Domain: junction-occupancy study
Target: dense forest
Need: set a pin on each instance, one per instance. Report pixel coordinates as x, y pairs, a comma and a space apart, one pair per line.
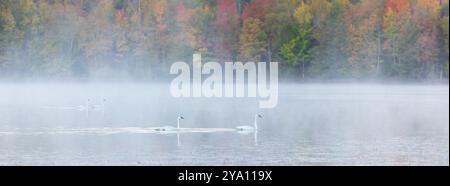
140, 39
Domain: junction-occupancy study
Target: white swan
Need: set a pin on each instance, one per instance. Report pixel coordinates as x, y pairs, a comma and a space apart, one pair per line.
170, 128
247, 128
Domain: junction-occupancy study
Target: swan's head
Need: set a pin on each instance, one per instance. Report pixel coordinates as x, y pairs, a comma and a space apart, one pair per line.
180, 117
259, 115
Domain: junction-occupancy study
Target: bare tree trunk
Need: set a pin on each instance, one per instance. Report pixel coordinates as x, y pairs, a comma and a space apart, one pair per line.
269, 50
303, 69
378, 54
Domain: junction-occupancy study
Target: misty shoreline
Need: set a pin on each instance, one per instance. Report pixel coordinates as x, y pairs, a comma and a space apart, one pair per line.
281, 81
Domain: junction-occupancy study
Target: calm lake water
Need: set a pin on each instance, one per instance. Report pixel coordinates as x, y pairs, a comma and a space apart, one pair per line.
313, 124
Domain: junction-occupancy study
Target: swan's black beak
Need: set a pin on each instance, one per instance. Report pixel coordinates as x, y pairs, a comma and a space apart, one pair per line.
181, 117
260, 116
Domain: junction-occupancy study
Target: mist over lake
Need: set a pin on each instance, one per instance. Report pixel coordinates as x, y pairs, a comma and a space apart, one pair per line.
313, 124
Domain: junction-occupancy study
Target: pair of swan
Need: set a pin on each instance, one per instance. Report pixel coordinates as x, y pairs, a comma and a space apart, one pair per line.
245, 128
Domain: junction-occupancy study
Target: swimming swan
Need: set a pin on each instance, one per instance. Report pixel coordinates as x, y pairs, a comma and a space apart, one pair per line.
170, 128
250, 128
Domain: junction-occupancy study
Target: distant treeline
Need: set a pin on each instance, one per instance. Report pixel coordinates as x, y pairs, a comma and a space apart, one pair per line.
140, 39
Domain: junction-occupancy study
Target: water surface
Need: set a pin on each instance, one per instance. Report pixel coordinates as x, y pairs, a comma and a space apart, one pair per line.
313, 124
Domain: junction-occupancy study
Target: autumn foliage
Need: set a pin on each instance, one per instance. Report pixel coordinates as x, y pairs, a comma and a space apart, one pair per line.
398, 39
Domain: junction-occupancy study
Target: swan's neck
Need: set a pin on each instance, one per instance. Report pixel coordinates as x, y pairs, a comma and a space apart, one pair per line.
256, 123
178, 123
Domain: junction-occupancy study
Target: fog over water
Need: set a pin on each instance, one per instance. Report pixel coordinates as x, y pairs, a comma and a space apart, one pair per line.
313, 124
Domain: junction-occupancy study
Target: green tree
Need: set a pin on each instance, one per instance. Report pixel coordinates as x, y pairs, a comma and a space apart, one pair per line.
298, 51
253, 43
400, 35
331, 32
8, 30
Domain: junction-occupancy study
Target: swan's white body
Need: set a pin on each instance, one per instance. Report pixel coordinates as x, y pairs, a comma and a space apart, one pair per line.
170, 128
248, 128
165, 128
